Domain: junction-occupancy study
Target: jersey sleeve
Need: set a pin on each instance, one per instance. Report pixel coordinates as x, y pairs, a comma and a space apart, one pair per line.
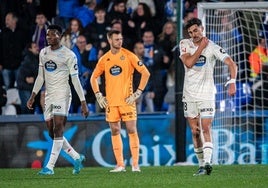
219, 52
72, 64
183, 47
99, 69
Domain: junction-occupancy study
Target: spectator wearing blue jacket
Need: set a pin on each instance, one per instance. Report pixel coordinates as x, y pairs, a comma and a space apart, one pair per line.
66, 11
87, 57
85, 13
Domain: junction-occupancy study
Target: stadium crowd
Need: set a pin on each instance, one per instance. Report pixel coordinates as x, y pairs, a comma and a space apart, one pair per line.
147, 25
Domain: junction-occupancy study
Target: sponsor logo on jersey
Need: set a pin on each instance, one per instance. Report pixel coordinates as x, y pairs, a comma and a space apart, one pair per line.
206, 110
50, 66
57, 107
201, 61
115, 70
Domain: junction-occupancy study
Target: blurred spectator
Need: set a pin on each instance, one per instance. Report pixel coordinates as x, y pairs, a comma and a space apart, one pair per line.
71, 34
87, 58
146, 99
158, 63
141, 20
50, 8
66, 12
260, 91
167, 39
170, 83
85, 13
27, 74
39, 31
12, 42
119, 13
131, 5
127, 40
13, 102
186, 17
229, 38
3, 94
258, 56
96, 31
171, 10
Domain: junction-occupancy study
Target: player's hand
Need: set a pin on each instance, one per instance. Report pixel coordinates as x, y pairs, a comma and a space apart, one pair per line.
204, 43
30, 103
84, 109
232, 89
101, 100
133, 97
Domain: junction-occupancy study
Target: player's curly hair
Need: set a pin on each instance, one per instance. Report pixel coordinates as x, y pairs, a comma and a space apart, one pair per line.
55, 27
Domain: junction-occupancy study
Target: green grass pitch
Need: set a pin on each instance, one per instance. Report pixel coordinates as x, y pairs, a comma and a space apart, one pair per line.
226, 176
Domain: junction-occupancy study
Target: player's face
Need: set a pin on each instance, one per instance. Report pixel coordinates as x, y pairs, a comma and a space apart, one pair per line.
196, 33
53, 37
116, 41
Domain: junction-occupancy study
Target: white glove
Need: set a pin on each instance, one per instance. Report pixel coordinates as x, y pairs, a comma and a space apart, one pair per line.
231, 81
101, 100
133, 97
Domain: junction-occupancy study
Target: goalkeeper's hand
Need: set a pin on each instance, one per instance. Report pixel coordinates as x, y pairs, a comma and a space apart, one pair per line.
133, 97
101, 100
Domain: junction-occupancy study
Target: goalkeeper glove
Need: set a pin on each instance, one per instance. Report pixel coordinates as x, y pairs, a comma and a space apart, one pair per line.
101, 100
133, 97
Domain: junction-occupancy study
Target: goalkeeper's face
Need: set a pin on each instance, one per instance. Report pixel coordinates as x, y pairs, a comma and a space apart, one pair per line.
196, 33
116, 41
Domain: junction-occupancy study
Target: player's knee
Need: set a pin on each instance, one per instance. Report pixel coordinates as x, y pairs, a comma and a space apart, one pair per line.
58, 130
196, 132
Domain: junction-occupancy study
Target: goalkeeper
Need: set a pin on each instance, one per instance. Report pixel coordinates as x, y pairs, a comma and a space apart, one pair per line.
199, 55
118, 66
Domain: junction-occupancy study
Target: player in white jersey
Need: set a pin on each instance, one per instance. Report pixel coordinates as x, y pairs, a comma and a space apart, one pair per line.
199, 56
56, 64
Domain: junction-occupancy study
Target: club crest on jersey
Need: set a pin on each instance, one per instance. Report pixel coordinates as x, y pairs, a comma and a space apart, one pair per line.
201, 61
122, 57
50, 66
222, 51
115, 70
140, 63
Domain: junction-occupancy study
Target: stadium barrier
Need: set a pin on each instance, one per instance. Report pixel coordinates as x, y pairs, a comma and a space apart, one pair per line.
24, 141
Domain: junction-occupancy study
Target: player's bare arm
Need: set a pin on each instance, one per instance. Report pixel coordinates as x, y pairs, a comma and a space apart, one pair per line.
233, 73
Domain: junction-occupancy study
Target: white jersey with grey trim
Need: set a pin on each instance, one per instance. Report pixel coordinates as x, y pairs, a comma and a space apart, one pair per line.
198, 80
58, 65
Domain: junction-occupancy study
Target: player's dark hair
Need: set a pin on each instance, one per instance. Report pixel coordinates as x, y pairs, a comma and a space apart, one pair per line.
55, 27
111, 32
193, 21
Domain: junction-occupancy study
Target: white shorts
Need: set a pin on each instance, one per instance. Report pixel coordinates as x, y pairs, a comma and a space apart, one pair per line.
206, 109
57, 106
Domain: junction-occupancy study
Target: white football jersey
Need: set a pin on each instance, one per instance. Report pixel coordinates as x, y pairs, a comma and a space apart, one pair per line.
58, 65
198, 80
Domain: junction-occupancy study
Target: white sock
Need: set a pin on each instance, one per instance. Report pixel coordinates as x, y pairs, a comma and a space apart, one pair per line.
207, 148
55, 151
199, 155
69, 149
